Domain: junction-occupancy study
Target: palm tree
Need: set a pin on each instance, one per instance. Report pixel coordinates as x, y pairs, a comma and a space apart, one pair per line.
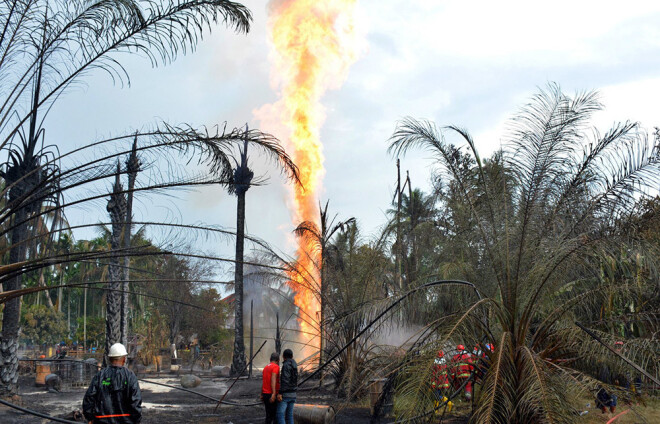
544, 230
38, 62
28, 186
353, 277
241, 182
132, 168
416, 211
113, 320
242, 179
318, 240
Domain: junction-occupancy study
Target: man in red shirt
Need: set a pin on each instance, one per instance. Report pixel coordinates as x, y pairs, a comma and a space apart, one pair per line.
270, 387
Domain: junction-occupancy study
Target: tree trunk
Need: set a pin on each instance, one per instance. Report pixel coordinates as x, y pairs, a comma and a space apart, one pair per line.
12, 312
175, 322
322, 334
85, 321
132, 167
412, 272
113, 298
399, 243
117, 209
238, 360
42, 283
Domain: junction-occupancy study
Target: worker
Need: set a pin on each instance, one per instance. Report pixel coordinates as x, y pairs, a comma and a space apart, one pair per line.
114, 395
288, 388
53, 383
462, 368
440, 382
481, 360
270, 387
60, 352
604, 399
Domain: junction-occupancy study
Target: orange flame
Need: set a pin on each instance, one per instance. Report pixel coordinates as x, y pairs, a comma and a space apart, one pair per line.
314, 44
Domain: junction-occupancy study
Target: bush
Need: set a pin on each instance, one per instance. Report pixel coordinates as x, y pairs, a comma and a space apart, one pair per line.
41, 324
95, 331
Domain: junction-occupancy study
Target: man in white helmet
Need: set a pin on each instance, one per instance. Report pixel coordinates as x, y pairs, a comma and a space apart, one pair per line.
114, 395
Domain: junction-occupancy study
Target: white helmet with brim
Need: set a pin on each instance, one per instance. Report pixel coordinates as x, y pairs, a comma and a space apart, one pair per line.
117, 350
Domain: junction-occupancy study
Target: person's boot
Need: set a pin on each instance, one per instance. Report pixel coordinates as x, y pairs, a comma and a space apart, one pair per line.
612, 409
450, 405
436, 407
603, 409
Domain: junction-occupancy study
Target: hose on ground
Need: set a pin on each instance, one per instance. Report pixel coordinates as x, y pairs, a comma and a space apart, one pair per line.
37, 414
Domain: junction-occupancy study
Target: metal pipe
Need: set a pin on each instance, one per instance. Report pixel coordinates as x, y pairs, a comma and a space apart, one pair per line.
313, 414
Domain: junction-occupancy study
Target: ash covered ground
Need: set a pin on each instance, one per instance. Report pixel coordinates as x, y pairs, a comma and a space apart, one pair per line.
168, 405
163, 404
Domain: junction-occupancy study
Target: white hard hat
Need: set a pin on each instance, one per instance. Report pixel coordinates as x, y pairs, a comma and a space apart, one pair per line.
117, 350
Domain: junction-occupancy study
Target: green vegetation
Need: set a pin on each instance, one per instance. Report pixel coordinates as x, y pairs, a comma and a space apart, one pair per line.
559, 227
556, 232
42, 325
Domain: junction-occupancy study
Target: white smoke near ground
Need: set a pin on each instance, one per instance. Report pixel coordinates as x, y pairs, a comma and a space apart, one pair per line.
271, 301
396, 335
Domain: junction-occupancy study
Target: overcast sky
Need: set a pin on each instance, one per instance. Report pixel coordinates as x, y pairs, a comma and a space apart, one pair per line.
467, 63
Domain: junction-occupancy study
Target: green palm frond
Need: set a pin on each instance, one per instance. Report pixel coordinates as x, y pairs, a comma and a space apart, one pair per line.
553, 221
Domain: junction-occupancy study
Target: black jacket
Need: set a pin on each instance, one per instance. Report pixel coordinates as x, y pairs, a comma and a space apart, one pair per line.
113, 391
289, 376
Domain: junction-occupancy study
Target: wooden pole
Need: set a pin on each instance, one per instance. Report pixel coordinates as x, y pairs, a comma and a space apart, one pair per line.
278, 342
85, 320
399, 247
251, 335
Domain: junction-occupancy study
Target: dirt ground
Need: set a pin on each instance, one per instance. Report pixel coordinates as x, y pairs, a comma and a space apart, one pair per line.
168, 405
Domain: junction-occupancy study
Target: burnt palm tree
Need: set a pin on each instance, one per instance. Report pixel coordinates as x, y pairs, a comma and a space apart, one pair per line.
114, 304
28, 186
242, 179
132, 168
45, 47
319, 241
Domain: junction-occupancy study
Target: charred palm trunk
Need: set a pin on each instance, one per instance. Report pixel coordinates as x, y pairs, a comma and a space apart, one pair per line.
242, 178
132, 167
117, 209
12, 311
323, 295
23, 178
238, 361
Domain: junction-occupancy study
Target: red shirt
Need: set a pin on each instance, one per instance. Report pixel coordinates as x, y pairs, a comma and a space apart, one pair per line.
268, 372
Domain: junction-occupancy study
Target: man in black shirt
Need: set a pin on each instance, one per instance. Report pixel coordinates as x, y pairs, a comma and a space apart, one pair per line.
288, 388
114, 395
